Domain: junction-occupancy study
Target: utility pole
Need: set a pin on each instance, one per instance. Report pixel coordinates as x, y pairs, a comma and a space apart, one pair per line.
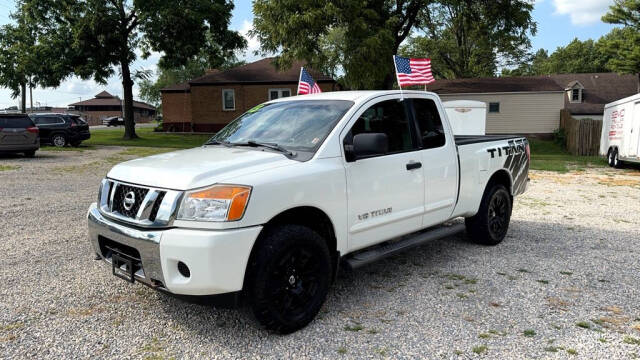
31, 93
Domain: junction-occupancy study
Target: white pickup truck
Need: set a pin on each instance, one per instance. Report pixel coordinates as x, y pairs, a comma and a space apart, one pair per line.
273, 204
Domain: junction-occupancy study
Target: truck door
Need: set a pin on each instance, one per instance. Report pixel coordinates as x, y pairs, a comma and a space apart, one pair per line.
385, 192
633, 146
439, 161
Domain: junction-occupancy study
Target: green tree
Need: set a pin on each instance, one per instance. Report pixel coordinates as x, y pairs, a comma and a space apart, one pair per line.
622, 45
354, 37
471, 38
93, 38
18, 60
534, 65
576, 57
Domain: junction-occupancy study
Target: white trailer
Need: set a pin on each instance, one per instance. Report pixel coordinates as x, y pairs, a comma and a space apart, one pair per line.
620, 139
467, 117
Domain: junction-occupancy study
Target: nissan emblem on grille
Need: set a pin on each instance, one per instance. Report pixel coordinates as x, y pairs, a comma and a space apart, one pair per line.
129, 200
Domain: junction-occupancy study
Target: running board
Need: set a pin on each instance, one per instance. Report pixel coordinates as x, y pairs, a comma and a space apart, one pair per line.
376, 253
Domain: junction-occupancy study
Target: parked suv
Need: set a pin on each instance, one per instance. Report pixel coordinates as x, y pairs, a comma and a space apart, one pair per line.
61, 129
18, 134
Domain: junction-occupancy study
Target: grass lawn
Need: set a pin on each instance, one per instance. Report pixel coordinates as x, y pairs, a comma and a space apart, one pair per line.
547, 155
148, 138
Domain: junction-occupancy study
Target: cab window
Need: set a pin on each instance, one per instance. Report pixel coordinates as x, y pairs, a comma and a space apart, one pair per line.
388, 117
430, 128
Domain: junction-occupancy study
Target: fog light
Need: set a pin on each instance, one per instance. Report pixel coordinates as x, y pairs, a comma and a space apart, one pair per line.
184, 269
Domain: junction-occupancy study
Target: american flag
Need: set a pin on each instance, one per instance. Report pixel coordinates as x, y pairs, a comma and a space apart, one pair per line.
413, 71
307, 85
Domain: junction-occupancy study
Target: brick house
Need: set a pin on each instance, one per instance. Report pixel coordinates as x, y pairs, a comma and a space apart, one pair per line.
210, 102
106, 105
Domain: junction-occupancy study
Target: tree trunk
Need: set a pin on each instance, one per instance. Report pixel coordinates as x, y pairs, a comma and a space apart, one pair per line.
127, 85
389, 80
638, 83
23, 100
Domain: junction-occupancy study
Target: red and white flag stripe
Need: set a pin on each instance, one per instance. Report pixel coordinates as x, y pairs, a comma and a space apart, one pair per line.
412, 71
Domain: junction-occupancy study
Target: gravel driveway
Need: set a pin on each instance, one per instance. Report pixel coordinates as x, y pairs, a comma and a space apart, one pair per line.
565, 283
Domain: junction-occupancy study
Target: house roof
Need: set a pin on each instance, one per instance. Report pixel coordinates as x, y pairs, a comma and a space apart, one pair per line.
259, 72
179, 88
599, 89
104, 94
494, 85
106, 99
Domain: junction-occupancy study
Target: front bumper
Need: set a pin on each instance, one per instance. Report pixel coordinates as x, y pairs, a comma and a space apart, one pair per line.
216, 259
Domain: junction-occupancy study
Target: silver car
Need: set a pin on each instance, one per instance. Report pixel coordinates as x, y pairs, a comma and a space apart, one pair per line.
18, 134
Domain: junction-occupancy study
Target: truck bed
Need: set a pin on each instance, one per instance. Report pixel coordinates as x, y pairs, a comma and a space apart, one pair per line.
474, 139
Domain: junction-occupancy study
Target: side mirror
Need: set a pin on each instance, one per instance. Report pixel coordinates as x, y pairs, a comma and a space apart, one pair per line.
370, 144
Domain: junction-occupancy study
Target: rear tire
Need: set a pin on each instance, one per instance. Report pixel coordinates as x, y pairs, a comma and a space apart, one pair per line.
616, 161
610, 157
489, 226
59, 140
288, 278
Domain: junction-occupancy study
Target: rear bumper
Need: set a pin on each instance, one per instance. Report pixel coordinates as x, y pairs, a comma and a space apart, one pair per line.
216, 259
19, 147
85, 135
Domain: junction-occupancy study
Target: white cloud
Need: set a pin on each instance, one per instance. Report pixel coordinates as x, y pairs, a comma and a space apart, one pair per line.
252, 42
582, 12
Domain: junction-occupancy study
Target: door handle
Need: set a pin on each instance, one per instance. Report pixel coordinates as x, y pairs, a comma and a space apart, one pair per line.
414, 165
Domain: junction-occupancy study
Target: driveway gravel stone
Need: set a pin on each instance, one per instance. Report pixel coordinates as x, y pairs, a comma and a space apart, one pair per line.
564, 284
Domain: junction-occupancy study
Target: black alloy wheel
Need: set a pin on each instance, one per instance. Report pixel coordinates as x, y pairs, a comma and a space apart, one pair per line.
499, 215
288, 277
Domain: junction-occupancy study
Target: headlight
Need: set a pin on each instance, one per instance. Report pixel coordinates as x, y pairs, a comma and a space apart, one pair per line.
216, 203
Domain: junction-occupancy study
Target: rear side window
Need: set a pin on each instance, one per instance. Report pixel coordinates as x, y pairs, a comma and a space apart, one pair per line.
77, 120
15, 122
429, 123
388, 117
47, 120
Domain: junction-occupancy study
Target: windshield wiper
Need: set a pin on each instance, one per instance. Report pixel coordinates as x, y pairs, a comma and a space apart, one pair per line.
218, 142
271, 146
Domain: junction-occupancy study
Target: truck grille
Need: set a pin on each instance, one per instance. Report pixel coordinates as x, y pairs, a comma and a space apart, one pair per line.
140, 205
121, 191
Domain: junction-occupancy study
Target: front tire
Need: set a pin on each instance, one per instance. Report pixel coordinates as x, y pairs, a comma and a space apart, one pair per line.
289, 277
30, 153
489, 226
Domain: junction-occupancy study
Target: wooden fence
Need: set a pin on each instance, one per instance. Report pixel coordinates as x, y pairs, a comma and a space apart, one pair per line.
583, 135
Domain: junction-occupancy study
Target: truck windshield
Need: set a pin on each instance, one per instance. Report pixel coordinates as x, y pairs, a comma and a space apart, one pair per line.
297, 125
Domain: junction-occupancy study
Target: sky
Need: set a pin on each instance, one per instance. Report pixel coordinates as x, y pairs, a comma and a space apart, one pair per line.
559, 22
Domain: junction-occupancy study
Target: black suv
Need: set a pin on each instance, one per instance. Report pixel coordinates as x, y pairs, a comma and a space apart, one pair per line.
61, 129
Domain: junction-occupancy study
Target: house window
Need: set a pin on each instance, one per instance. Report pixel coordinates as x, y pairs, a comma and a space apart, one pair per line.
279, 93
228, 100
575, 95
494, 107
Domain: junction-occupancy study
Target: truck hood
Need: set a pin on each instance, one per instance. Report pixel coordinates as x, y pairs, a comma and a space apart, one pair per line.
198, 167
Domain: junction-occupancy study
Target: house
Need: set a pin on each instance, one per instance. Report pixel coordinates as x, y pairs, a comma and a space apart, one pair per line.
531, 105
105, 105
586, 94
210, 102
515, 105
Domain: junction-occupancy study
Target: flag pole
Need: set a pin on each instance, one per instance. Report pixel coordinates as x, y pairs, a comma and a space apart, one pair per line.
395, 65
299, 78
